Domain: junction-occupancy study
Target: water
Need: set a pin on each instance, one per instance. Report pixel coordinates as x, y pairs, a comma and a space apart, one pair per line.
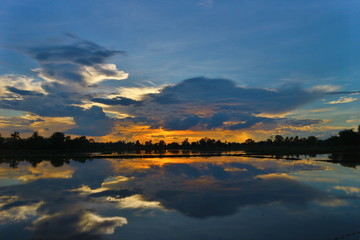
179, 198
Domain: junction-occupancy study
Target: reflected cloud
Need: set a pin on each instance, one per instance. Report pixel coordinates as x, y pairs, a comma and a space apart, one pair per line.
100, 196
349, 190
135, 202
90, 222
115, 179
202, 188
14, 210
226, 198
25, 173
105, 186
87, 190
75, 225
331, 202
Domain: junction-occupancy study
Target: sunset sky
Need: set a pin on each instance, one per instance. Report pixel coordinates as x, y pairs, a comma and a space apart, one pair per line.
169, 70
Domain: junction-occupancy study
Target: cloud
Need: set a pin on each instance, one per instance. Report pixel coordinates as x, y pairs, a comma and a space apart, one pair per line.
82, 62
135, 202
203, 104
352, 120
93, 122
69, 85
345, 92
194, 182
67, 76
91, 222
23, 92
206, 3
115, 101
19, 124
349, 190
43, 170
330, 89
137, 93
18, 84
343, 100
13, 210
100, 72
81, 224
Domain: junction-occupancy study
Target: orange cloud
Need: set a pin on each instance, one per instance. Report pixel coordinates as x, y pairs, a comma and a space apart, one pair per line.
132, 132
26, 173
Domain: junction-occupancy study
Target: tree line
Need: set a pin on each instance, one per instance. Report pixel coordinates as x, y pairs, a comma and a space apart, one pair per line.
345, 139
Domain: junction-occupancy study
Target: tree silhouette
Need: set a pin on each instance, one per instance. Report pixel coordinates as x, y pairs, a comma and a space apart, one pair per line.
345, 140
57, 139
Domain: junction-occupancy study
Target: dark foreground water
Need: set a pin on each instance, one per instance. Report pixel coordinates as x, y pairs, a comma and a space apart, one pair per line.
179, 198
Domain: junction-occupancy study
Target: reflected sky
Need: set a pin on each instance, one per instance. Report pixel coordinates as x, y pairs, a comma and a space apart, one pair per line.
179, 198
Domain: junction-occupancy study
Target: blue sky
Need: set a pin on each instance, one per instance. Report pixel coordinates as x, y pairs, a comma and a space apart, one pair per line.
307, 46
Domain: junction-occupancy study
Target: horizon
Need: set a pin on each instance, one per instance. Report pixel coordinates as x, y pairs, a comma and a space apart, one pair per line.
144, 71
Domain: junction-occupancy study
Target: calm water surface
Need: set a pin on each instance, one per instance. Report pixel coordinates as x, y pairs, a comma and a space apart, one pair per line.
179, 198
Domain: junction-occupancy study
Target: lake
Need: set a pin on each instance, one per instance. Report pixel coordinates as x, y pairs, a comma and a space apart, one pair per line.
221, 197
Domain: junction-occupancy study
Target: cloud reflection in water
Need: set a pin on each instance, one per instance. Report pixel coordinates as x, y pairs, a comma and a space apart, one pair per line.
104, 195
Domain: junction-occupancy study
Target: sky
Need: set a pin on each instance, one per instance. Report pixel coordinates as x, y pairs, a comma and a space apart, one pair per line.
170, 70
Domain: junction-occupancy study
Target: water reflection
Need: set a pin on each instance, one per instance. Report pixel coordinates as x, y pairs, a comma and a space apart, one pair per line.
204, 189
346, 159
25, 173
139, 198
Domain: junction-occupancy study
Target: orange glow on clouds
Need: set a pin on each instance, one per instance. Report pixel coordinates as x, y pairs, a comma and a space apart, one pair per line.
25, 173
146, 133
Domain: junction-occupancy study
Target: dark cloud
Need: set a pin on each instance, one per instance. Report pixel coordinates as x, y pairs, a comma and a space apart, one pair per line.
207, 203
200, 189
23, 92
249, 122
61, 72
68, 73
52, 211
203, 190
16, 204
202, 104
217, 120
186, 122
47, 106
80, 224
222, 92
82, 62
115, 101
71, 73
81, 52
344, 92
114, 193
275, 122
92, 122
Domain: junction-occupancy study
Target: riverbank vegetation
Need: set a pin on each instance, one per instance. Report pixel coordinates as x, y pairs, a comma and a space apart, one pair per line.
345, 141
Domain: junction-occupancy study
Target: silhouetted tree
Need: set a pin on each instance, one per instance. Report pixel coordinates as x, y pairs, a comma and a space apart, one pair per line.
279, 139
249, 141
2, 140
57, 140
35, 141
348, 137
15, 136
185, 144
162, 144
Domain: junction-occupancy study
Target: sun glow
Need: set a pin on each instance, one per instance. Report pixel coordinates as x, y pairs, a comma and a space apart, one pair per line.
146, 133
